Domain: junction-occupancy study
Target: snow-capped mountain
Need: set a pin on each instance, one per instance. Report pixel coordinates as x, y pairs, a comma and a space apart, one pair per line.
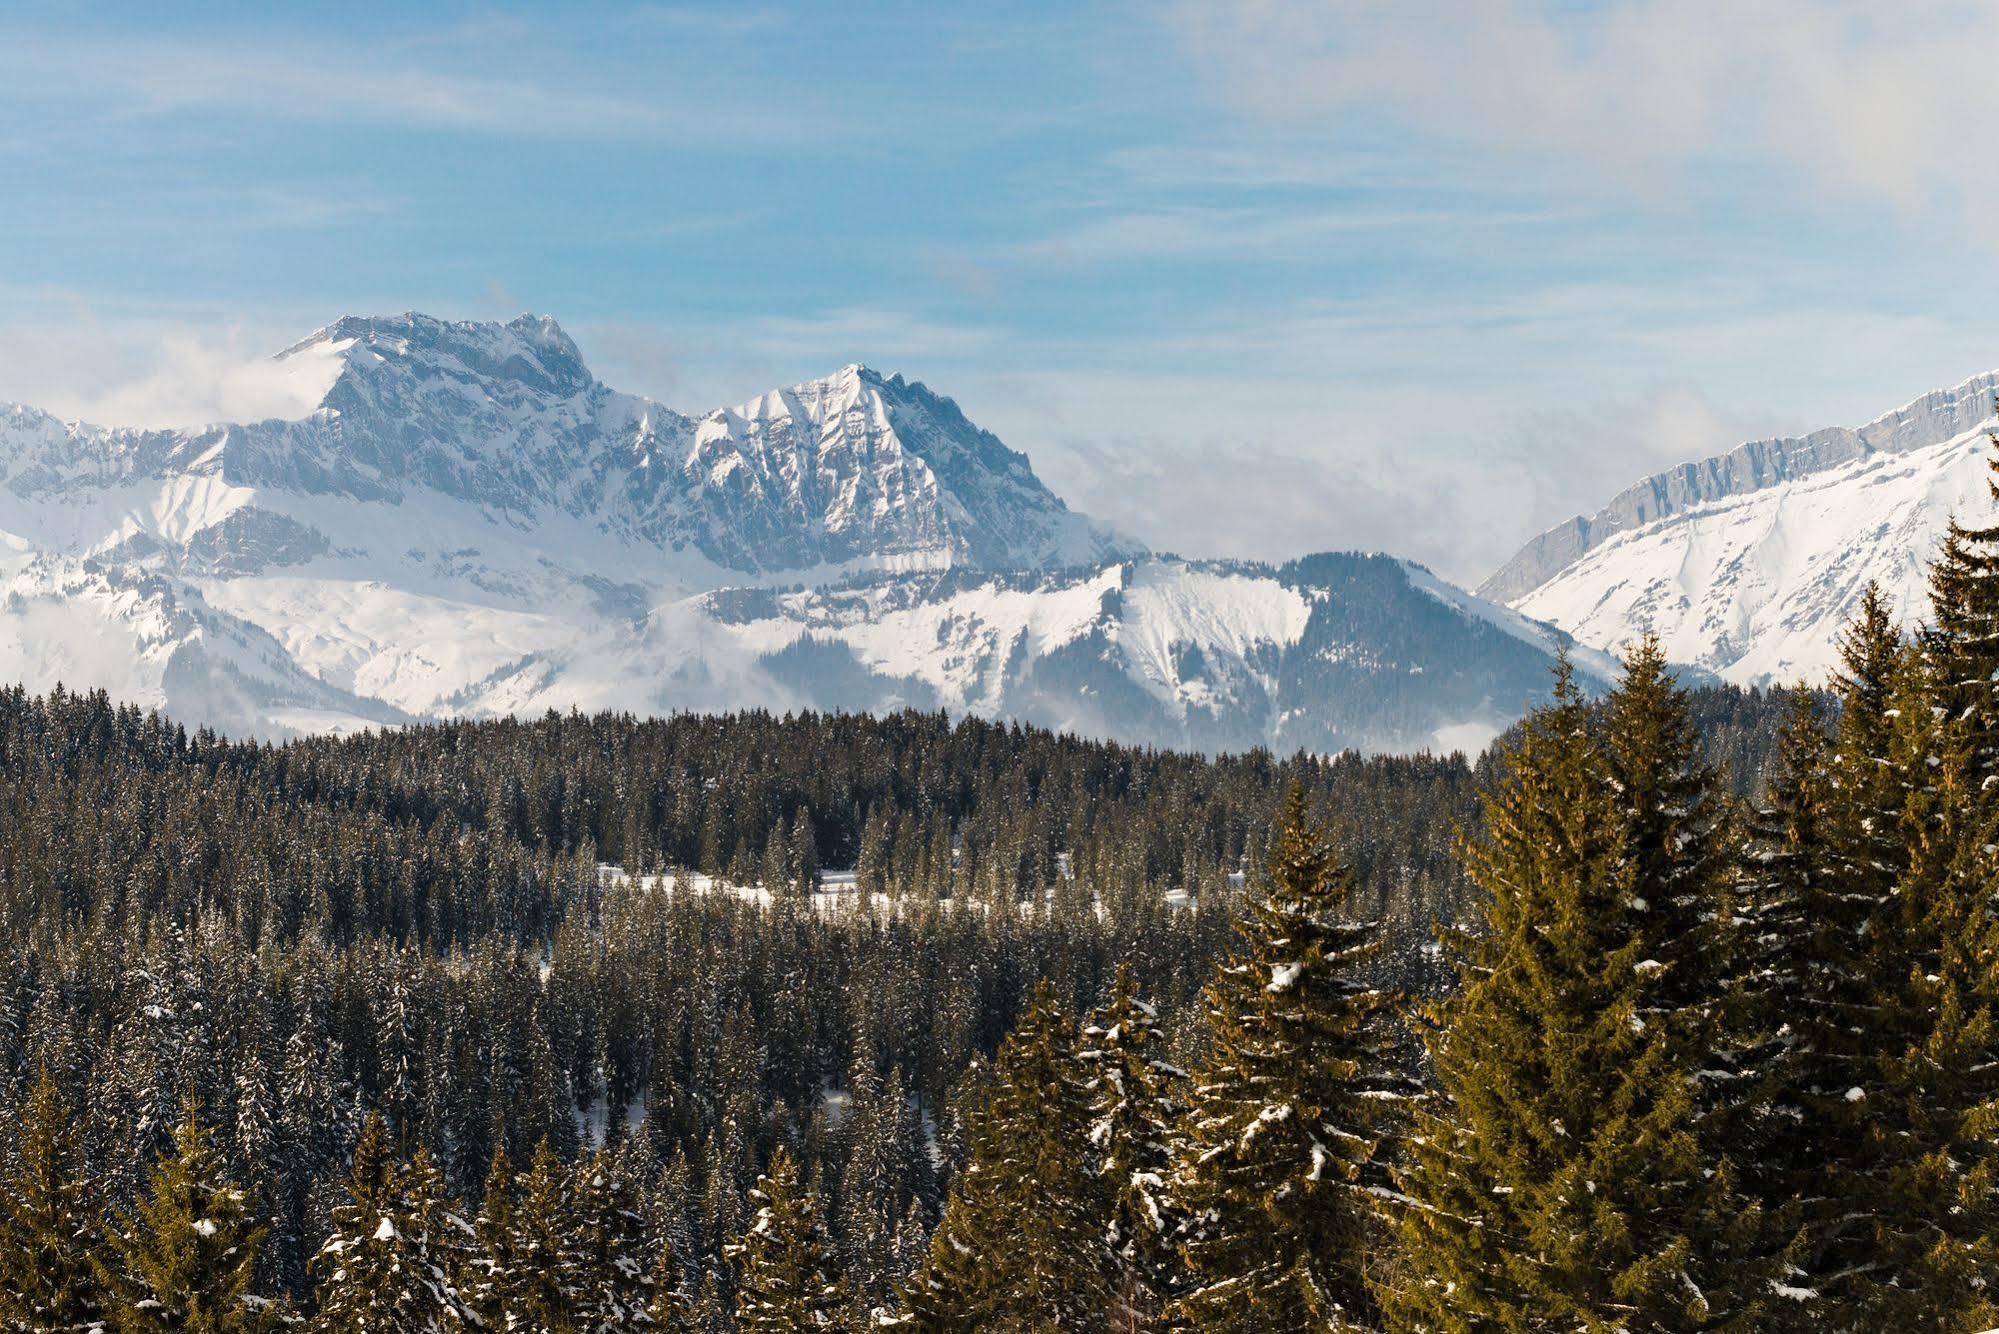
471, 523
1749, 564
1325, 653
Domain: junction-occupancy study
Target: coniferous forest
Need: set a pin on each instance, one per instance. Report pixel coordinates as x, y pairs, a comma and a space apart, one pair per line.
1675, 1012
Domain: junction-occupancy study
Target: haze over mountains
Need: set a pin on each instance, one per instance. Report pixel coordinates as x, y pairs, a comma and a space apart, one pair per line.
471, 524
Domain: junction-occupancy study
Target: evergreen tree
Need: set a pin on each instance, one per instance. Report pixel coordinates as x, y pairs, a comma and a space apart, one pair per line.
389, 1263
1289, 1106
51, 1246
1021, 1242
485, 1279
1555, 1179
607, 1243
786, 1279
544, 1284
1915, 1236
1135, 1111
670, 1310
186, 1252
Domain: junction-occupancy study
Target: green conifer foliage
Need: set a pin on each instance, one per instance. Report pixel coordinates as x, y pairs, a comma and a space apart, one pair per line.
1911, 1218
51, 1245
1555, 1179
786, 1277
486, 1275
670, 1309
543, 1284
390, 1263
187, 1250
607, 1245
1135, 1110
1020, 1246
1290, 1105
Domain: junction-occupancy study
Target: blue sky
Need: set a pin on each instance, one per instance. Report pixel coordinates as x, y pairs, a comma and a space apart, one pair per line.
1249, 278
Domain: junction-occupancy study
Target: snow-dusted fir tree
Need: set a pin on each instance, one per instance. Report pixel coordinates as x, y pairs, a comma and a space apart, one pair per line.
51, 1243
391, 1260
1915, 1236
670, 1307
486, 1273
1555, 1178
786, 1277
541, 1282
1021, 1245
1289, 1106
607, 1247
1135, 1112
183, 1256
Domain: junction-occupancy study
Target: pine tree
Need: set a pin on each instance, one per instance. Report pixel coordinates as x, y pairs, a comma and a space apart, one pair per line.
670, 1309
1135, 1110
1785, 1009
187, 1250
607, 1242
1679, 842
485, 1278
1289, 1106
1020, 1245
544, 1284
389, 1263
1555, 1179
786, 1279
1916, 1244
51, 1245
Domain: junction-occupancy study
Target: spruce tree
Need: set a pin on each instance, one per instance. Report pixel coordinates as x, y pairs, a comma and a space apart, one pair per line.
1289, 1107
390, 1262
614, 1273
786, 1279
1555, 1179
186, 1252
1917, 1167
1135, 1112
51, 1245
486, 1274
670, 1309
544, 1284
1020, 1245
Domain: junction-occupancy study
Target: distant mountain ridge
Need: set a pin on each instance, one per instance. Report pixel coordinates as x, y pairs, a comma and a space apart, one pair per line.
469, 522
1941, 415
1749, 564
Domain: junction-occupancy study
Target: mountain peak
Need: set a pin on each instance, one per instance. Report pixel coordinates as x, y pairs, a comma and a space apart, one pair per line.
530, 349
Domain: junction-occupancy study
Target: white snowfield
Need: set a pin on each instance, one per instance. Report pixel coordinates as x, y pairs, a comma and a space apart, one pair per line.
470, 524
1757, 585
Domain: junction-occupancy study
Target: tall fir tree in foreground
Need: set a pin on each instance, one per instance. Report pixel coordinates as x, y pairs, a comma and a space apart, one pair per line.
186, 1252
1136, 1110
614, 1271
51, 1243
1913, 1219
1289, 1108
1020, 1246
390, 1262
787, 1279
1555, 1178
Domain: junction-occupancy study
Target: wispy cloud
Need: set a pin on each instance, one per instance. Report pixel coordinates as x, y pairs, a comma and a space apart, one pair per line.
329, 81
1867, 101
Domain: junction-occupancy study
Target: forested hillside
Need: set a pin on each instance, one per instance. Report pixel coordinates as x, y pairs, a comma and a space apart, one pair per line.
388, 977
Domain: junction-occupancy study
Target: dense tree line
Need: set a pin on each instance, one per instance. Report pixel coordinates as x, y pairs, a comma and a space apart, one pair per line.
355, 1030
1707, 1064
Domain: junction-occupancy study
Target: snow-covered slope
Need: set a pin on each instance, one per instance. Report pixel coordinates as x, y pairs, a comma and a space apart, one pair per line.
470, 523
1750, 564
1324, 653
